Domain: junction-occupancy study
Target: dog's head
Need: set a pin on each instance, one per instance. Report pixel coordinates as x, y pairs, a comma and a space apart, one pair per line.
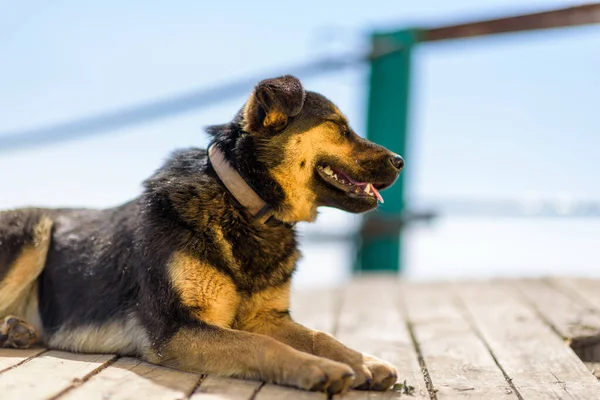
298, 151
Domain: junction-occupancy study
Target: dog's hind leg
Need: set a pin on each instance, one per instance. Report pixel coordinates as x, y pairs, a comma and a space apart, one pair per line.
24, 241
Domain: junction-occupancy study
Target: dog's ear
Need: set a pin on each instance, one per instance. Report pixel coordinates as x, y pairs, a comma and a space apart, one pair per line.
271, 104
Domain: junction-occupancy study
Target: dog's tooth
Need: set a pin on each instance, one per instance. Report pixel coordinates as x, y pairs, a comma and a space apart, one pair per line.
335, 176
377, 195
328, 170
368, 188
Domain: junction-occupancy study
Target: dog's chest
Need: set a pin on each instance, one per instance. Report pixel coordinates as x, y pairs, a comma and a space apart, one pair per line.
209, 294
214, 297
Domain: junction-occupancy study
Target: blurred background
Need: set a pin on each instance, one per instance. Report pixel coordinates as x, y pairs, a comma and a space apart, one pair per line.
503, 146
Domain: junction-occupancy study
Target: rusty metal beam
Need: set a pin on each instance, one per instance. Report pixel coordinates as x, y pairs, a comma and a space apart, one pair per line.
579, 15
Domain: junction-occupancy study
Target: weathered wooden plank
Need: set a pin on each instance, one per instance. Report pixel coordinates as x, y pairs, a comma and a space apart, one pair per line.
537, 360
370, 321
275, 392
216, 387
579, 322
585, 290
49, 374
459, 364
594, 368
388, 395
9, 358
130, 378
568, 316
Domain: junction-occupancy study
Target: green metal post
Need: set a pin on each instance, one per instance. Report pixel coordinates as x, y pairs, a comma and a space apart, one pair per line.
387, 125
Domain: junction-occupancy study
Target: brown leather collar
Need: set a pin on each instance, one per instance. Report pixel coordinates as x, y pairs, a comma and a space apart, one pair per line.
238, 187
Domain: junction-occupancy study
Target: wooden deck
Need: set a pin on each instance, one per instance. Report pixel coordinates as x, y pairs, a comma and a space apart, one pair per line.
486, 340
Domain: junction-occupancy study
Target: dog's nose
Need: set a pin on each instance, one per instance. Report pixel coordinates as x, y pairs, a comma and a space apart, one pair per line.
397, 161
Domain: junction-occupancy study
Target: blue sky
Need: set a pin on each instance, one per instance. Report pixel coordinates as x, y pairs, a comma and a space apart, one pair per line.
503, 116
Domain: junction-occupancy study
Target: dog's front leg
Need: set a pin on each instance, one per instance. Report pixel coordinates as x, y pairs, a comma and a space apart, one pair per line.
227, 352
371, 372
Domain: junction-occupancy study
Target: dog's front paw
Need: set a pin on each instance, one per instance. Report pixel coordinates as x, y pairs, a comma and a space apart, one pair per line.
370, 372
381, 374
320, 374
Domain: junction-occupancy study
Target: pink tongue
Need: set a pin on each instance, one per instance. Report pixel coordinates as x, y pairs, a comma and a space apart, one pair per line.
364, 186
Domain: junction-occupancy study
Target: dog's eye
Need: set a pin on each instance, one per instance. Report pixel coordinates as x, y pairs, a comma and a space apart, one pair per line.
344, 130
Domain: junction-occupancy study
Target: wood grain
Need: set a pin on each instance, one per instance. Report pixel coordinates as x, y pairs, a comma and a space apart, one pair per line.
10, 358
585, 290
49, 374
370, 321
130, 378
459, 364
537, 360
274, 392
570, 318
216, 387
594, 368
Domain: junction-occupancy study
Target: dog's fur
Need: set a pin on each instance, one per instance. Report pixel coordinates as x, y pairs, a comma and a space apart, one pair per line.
183, 275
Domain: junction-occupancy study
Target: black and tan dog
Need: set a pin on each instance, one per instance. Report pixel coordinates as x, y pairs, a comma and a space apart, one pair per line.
195, 273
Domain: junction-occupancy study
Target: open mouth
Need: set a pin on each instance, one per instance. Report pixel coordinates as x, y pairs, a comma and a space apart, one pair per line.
342, 181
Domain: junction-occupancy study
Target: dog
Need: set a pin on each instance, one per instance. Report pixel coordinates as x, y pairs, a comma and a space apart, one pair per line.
195, 273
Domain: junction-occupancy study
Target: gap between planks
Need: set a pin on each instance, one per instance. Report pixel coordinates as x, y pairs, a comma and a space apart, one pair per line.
364, 315
12, 358
370, 320
594, 368
129, 378
537, 360
567, 312
51, 374
458, 362
586, 292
